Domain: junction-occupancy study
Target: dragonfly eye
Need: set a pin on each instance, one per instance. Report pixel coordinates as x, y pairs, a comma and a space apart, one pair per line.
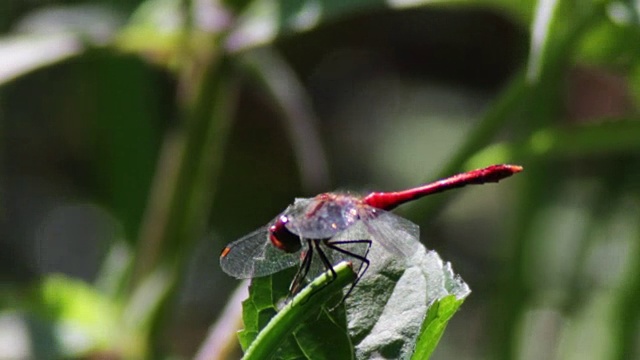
282, 238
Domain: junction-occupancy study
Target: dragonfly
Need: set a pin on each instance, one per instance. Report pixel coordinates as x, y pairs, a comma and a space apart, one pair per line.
317, 233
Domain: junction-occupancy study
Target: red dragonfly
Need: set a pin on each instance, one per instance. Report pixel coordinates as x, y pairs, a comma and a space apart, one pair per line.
317, 233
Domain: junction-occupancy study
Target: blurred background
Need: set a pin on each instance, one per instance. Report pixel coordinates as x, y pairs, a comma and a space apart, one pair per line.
139, 137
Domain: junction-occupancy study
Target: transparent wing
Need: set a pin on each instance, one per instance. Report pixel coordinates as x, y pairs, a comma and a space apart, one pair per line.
397, 235
253, 256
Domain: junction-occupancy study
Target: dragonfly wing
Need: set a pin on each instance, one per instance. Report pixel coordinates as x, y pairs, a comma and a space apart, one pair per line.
253, 256
396, 234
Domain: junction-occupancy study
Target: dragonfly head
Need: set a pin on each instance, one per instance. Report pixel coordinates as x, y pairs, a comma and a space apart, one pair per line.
282, 238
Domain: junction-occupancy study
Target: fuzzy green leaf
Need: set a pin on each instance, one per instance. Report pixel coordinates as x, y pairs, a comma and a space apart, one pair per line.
386, 312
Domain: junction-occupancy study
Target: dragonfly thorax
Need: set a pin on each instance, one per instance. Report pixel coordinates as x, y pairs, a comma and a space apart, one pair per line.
322, 217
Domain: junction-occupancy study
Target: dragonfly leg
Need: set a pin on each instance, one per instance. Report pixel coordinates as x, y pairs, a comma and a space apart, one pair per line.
363, 258
303, 270
334, 245
325, 261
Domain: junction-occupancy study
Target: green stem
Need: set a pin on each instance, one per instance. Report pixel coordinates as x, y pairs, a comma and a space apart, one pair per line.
601, 137
308, 302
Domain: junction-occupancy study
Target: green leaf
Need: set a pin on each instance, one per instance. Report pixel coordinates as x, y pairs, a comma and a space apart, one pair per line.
612, 40
434, 324
77, 302
382, 317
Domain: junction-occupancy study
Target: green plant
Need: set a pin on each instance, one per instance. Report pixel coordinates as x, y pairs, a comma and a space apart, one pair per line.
166, 170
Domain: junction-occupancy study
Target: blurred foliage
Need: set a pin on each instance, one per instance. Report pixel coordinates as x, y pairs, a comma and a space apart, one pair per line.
138, 137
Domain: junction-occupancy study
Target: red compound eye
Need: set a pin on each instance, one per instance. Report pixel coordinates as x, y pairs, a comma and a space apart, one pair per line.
282, 238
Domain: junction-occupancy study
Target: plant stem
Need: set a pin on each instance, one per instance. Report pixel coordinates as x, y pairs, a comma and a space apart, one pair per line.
301, 308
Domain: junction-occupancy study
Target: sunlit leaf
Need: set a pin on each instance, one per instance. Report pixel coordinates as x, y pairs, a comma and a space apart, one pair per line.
54, 34
20, 55
387, 310
81, 318
439, 314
